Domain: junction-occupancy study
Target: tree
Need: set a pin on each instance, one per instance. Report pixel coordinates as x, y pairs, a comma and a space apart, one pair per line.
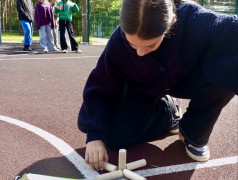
10, 21
10, 15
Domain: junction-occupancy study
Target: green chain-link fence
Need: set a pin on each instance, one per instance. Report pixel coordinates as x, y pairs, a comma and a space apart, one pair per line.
221, 6
102, 25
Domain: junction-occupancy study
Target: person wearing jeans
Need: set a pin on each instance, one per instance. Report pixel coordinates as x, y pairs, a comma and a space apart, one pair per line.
28, 33
44, 19
46, 37
25, 11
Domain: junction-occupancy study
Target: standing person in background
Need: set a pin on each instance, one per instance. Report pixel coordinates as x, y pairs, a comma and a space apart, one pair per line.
44, 19
65, 9
56, 29
25, 11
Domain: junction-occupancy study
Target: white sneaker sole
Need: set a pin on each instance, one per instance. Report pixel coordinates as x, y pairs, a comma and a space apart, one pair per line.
203, 158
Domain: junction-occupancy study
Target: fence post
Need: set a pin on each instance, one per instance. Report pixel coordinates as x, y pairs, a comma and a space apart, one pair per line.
236, 7
108, 21
88, 11
202, 2
97, 25
85, 22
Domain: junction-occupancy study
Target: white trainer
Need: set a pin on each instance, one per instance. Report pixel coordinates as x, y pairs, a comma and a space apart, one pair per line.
78, 51
64, 50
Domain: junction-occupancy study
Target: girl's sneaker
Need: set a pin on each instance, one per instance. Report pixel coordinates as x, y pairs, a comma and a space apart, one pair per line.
200, 154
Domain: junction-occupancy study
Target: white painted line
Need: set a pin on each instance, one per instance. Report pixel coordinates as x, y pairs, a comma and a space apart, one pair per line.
188, 166
59, 144
90, 174
41, 58
1, 56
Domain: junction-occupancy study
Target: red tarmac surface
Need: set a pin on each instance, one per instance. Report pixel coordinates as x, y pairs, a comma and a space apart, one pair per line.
45, 90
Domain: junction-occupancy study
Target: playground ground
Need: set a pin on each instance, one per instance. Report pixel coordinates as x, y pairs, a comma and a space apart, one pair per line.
40, 97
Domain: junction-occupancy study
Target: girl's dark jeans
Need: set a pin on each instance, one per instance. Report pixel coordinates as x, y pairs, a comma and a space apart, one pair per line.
140, 118
206, 104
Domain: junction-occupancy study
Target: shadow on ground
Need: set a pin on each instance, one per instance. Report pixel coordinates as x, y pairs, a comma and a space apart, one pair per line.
172, 155
59, 167
155, 157
17, 48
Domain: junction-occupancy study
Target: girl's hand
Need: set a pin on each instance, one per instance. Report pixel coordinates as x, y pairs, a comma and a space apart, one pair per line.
58, 7
95, 154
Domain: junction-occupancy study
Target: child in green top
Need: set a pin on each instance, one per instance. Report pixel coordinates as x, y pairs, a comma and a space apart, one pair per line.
65, 8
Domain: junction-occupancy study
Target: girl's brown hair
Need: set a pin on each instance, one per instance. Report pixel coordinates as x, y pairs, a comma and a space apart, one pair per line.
147, 18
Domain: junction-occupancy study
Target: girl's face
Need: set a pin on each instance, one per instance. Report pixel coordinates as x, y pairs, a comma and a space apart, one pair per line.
141, 46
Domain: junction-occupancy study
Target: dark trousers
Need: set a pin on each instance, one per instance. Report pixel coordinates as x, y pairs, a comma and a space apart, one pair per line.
68, 25
206, 104
140, 118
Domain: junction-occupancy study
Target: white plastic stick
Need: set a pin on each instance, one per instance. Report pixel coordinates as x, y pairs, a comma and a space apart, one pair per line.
136, 164
109, 167
111, 175
122, 159
131, 175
